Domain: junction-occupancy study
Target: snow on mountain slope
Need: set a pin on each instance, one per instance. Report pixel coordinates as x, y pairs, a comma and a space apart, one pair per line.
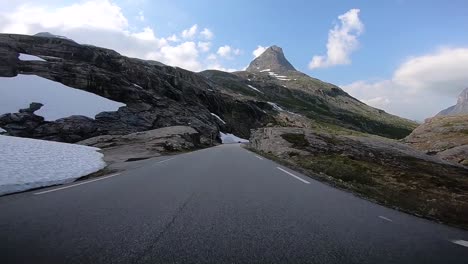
59, 100
30, 163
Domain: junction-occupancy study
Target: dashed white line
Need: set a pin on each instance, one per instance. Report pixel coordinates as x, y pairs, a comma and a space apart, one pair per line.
460, 242
258, 157
77, 184
385, 218
297, 177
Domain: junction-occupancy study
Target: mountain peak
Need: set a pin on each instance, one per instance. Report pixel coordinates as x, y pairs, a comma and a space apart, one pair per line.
272, 58
460, 108
463, 97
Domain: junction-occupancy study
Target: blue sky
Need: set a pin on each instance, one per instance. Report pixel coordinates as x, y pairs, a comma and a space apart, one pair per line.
398, 54
394, 30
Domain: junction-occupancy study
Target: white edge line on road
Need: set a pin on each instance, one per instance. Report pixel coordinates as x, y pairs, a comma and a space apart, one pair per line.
460, 242
165, 160
77, 184
258, 157
297, 177
385, 218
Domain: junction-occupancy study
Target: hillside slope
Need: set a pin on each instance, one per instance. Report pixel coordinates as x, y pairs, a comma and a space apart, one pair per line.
270, 77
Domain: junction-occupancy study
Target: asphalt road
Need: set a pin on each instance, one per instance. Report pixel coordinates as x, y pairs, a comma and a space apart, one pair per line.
218, 205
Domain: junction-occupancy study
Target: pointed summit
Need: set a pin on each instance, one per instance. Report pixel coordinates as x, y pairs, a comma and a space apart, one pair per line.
460, 108
273, 59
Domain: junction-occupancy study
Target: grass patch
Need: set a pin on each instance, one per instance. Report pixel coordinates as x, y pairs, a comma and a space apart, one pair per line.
430, 190
339, 167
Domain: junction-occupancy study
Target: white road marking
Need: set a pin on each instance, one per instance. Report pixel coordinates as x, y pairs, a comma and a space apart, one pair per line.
385, 218
258, 157
297, 177
77, 184
460, 242
165, 160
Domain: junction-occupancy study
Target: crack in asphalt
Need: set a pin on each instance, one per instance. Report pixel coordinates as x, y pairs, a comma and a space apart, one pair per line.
164, 230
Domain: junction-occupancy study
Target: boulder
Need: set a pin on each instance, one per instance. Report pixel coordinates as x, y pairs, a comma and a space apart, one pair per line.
145, 144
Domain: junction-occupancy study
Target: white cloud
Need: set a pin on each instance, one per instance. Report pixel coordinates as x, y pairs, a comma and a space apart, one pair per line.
102, 23
90, 14
258, 51
183, 54
207, 34
420, 87
444, 71
146, 34
378, 102
141, 16
212, 56
219, 67
228, 52
342, 41
204, 46
190, 32
173, 38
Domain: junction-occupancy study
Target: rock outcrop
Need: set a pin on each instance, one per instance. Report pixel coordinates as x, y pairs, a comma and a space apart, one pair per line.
23, 123
272, 59
443, 136
460, 108
156, 95
144, 145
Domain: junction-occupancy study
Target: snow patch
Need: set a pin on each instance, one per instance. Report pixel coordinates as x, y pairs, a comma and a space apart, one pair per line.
136, 85
278, 108
2, 130
59, 100
230, 138
279, 77
253, 88
275, 106
219, 118
30, 163
265, 70
27, 57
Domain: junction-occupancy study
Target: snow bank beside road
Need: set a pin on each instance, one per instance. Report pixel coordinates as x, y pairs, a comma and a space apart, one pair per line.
29, 163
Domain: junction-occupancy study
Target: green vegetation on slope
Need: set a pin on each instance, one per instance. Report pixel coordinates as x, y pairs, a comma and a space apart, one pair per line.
321, 102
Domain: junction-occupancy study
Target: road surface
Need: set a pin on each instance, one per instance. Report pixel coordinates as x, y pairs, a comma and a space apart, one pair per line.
218, 205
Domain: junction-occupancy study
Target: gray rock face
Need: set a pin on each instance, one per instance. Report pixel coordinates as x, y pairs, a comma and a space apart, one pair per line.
443, 136
147, 144
156, 95
24, 123
272, 58
460, 108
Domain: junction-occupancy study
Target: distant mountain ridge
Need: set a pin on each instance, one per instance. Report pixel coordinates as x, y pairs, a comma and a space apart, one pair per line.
460, 108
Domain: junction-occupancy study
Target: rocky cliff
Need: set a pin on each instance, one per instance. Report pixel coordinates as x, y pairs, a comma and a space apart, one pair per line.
460, 108
158, 96
155, 95
443, 136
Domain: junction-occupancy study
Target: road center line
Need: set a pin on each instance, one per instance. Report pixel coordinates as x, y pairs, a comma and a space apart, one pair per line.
385, 218
258, 157
77, 184
460, 242
297, 177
